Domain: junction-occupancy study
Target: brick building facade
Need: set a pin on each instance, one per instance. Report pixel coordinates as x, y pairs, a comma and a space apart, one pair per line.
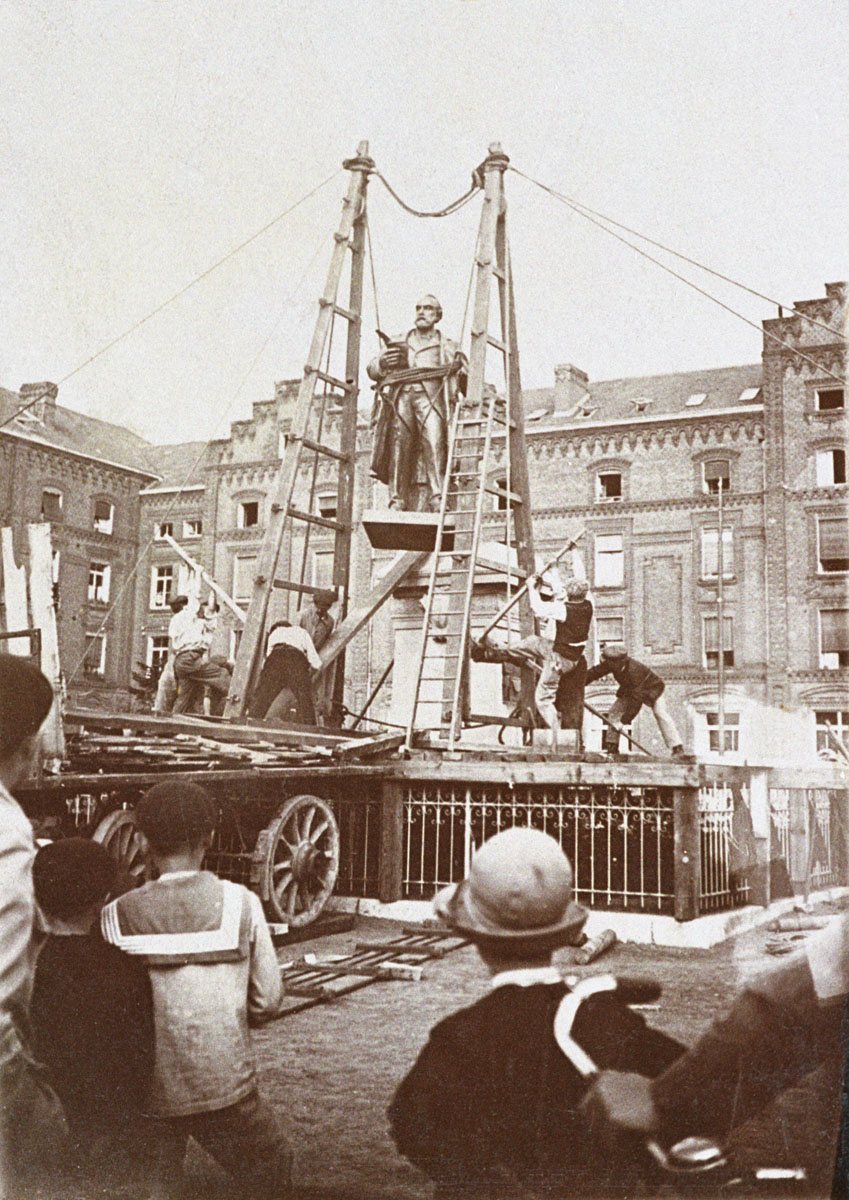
637, 463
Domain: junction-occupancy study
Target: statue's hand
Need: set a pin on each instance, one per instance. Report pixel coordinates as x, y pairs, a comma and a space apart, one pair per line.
393, 359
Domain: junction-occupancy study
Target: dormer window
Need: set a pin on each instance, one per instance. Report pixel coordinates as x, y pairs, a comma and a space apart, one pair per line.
829, 399
749, 394
51, 504
696, 399
715, 474
641, 403
104, 514
609, 485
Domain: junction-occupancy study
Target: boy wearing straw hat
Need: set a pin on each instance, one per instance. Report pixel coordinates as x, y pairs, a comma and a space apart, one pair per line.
490, 1107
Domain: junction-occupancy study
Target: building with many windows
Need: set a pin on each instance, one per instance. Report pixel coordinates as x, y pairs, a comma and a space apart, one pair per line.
723, 489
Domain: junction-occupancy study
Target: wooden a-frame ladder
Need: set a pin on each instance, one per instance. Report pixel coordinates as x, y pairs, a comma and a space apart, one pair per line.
466, 510
307, 444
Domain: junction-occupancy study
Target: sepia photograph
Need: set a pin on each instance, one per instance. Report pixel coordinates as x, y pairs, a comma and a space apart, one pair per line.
424, 600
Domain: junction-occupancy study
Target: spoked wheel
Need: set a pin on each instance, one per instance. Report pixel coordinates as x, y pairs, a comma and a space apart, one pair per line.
117, 832
298, 860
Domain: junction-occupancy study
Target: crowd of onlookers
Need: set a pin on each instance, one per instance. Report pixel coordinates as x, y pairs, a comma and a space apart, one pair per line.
125, 1021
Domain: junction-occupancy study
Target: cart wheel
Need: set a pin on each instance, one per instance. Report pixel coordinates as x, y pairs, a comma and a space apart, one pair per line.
298, 863
117, 832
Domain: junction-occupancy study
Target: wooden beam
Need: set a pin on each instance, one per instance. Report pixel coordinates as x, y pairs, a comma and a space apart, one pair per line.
14, 594
303, 736
390, 875
44, 618
687, 870
223, 596
400, 566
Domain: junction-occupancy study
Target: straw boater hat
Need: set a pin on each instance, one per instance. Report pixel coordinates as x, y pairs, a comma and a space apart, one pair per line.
518, 894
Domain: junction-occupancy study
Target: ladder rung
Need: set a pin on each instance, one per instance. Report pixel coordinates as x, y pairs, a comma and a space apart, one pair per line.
309, 444
347, 313
503, 420
331, 379
499, 273
498, 344
313, 519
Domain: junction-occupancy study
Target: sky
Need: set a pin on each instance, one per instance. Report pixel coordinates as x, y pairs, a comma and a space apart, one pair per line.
142, 140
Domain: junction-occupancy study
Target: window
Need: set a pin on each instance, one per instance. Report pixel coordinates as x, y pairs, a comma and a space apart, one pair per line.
55, 560
327, 506
641, 403
609, 560
163, 529
608, 485
51, 505
94, 659
710, 553
322, 569
192, 527
833, 543
714, 472
104, 513
157, 652
248, 514
609, 629
829, 398
696, 399
831, 467
839, 723
244, 570
732, 732
98, 582
710, 626
834, 638
161, 586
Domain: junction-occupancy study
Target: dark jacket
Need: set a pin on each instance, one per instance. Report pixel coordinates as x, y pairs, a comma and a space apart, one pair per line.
492, 1092
92, 1023
636, 680
571, 636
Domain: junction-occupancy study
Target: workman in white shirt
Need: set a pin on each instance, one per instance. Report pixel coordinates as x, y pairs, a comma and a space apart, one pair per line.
190, 633
291, 656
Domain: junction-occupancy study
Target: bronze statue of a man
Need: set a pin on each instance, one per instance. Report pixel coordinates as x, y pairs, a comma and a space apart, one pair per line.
420, 374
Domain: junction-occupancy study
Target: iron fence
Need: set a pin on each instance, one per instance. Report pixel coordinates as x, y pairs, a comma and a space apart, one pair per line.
620, 840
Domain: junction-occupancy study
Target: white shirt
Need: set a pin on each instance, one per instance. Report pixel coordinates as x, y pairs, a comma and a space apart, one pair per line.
527, 976
293, 635
188, 630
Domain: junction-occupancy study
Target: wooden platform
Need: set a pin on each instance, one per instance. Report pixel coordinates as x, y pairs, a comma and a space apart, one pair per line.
389, 529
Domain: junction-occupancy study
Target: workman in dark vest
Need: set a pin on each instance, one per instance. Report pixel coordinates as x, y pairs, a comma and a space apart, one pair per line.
638, 685
567, 614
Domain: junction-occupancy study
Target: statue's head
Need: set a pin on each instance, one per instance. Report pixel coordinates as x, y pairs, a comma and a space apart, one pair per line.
428, 312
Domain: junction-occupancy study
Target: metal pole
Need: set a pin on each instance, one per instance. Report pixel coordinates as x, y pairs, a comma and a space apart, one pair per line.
720, 602
505, 608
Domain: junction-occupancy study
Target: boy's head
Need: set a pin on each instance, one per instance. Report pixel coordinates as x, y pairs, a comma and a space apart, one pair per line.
176, 818
324, 599
517, 903
72, 878
25, 700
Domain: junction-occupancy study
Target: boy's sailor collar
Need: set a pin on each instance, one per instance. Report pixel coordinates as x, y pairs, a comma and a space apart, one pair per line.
178, 874
527, 976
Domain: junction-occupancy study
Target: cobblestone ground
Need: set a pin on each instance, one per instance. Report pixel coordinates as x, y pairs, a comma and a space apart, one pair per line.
330, 1072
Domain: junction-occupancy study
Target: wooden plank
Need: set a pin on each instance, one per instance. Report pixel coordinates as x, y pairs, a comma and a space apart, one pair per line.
400, 566
14, 594
687, 853
302, 736
223, 596
44, 618
381, 743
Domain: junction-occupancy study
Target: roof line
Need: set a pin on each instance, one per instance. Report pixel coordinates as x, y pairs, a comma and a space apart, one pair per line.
106, 462
176, 487
657, 418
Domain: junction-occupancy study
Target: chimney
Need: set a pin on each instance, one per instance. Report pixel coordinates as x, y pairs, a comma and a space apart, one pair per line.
39, 397
571, 387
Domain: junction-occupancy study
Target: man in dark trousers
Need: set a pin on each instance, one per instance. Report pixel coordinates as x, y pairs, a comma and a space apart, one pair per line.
285, 682
490, 1108
638, 685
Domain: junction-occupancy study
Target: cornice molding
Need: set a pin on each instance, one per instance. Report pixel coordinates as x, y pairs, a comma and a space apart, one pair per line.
608, 508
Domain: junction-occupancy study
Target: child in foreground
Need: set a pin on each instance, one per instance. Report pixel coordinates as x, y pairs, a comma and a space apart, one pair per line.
490, 1107
214, 973
91, 1016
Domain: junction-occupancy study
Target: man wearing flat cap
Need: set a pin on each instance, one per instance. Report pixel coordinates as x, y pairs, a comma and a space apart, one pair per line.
32, 1129
637, 685
490, 1108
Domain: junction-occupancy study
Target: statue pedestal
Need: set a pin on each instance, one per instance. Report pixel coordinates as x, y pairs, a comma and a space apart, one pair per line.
389, 529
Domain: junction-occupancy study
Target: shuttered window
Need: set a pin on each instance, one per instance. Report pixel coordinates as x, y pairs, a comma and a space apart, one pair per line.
833, 539
834, 638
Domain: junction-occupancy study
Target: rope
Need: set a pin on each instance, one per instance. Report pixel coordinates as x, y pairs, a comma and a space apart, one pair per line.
373, 276
772, 337
577, 204
131, 574
447, 211
181, 292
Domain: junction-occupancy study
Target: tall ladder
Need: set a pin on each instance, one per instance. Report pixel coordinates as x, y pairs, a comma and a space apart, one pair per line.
446, 630
307, 444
